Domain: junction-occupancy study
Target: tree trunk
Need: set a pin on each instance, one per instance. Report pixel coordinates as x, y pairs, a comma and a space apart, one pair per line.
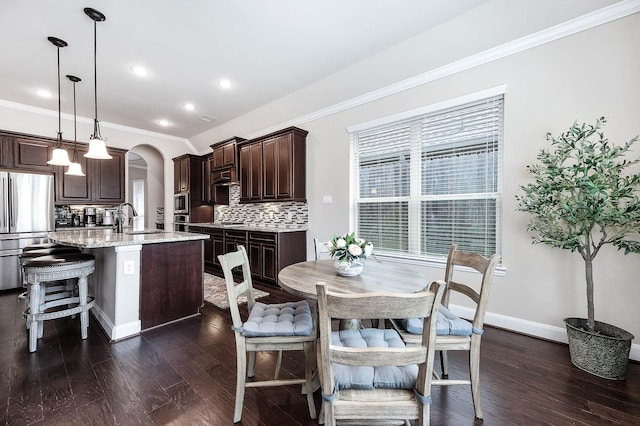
590, 309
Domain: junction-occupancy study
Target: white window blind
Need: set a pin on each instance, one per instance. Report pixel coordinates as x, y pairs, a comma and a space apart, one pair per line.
426, 182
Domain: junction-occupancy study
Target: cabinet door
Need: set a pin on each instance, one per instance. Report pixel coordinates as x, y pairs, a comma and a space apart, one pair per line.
218, 249
32, 154
251, 172
255, 260
284, 165
229, 154
176, 176
269, 262
108, 178
5, 151
255, 190
270, 168
207, 187
185, 169
218, 157
74, 189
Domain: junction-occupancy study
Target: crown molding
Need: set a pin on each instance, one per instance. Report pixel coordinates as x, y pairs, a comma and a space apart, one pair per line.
585, 22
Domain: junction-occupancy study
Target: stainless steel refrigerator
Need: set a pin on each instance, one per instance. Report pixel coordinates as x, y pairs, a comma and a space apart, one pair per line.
26, 215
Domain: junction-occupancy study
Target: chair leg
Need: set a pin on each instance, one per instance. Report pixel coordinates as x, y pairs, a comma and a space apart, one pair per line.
329, 418
276, 374
474, 371
241, 372
444, 363
309, 361
251, 372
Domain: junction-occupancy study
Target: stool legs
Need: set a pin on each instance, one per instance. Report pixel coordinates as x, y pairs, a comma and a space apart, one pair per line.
34, 308
84, 314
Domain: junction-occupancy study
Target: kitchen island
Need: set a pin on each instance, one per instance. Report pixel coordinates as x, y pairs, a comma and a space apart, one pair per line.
143, 279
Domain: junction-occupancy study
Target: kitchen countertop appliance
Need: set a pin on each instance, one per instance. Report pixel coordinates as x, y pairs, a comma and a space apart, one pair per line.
26, 215
108, 216
89, 216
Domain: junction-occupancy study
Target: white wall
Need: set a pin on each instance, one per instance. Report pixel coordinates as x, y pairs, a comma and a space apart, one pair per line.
582, 76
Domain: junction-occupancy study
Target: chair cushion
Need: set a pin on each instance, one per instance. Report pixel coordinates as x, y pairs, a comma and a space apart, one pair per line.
448, 324
283, 319
367, 377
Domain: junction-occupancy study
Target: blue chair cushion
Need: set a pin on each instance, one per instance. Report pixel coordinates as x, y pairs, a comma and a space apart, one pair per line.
283, 319
448, 324
367, 377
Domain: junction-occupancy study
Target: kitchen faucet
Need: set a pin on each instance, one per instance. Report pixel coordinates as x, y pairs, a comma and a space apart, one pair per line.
119, 219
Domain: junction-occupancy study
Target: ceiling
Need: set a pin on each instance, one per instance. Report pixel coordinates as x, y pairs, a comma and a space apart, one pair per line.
266, 48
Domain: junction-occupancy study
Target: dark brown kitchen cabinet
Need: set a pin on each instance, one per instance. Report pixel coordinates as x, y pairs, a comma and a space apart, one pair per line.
32, 154
280, 175
224, 153
181, 169
103, 183
213, 246
269, 252
187, 176
251, 173
234, 238
6, 157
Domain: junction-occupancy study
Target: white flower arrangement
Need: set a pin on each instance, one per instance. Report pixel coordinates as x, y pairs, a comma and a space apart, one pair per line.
347, 248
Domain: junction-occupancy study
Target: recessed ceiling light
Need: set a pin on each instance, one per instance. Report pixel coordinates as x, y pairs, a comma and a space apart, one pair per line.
189, 106
44, 93
164, 123
140, 71
224, 83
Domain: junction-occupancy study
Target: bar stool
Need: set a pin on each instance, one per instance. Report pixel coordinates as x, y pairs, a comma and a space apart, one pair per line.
52, 268
37, 250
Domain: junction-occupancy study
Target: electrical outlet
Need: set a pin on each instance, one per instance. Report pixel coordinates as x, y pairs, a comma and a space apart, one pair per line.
129, 267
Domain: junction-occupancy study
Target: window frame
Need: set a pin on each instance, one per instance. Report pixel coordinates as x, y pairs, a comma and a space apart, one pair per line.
415, 170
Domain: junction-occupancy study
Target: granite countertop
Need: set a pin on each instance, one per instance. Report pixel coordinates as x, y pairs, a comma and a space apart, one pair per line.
253, 227
99, 238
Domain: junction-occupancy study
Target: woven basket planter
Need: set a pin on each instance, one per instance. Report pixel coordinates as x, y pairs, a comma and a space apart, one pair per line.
603, 353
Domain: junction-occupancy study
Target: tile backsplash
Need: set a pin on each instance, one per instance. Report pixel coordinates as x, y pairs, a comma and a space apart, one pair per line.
276, 213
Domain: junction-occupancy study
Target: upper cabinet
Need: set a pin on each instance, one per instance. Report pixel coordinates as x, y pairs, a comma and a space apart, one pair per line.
32, 154
273, 167
6, 158
224, 162
103, 182
187, 175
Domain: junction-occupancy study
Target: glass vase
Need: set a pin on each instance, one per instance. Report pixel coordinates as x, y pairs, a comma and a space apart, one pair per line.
349, 268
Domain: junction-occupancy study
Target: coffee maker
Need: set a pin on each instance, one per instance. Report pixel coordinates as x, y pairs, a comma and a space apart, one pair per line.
89, 216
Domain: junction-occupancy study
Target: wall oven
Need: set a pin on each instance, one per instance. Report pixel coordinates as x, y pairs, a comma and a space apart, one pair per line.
181, 203
180, 222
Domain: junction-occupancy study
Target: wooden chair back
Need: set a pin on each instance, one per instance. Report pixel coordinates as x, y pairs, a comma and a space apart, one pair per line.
321, 250
377, 404
229, 262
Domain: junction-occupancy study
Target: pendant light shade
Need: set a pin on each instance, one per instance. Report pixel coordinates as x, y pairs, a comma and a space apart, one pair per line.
59, 156
75, 169
97, 146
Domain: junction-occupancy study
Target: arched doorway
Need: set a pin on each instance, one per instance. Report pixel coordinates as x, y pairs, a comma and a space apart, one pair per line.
145, 183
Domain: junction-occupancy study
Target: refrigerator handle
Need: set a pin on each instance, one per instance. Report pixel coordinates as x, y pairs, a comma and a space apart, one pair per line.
11, 210
5, 204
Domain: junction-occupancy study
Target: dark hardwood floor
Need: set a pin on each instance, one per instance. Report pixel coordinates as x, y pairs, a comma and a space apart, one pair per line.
184, 374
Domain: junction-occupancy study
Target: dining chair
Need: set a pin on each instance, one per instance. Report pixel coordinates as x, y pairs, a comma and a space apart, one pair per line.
453, 332
321, 249
369, 375
276, 327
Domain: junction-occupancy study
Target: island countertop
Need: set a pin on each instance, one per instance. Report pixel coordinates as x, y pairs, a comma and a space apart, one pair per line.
100, 238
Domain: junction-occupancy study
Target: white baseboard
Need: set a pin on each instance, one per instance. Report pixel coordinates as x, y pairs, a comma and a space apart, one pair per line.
115, 332
543, 331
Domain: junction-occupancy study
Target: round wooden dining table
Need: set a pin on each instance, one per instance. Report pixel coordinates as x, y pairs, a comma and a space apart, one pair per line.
301, 278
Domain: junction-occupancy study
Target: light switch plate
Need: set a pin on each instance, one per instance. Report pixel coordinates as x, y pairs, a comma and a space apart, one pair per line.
327, 199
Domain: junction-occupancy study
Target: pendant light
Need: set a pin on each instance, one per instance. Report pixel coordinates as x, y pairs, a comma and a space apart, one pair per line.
75, 169
59, 156
97, 146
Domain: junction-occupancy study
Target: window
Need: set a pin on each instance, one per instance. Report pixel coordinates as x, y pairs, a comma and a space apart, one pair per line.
431, 178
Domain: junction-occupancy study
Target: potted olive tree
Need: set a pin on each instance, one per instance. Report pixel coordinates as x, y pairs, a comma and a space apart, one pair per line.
583, 197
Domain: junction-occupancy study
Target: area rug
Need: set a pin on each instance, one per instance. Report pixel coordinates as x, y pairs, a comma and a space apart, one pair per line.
215, 292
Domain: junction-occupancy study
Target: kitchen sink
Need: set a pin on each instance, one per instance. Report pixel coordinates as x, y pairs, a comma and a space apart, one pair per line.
144, 232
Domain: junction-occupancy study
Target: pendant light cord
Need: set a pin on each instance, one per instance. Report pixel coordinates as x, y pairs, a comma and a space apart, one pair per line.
96, 129
59, 141
75, 129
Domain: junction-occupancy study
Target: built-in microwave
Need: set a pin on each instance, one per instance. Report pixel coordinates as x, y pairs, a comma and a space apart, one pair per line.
181, 203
